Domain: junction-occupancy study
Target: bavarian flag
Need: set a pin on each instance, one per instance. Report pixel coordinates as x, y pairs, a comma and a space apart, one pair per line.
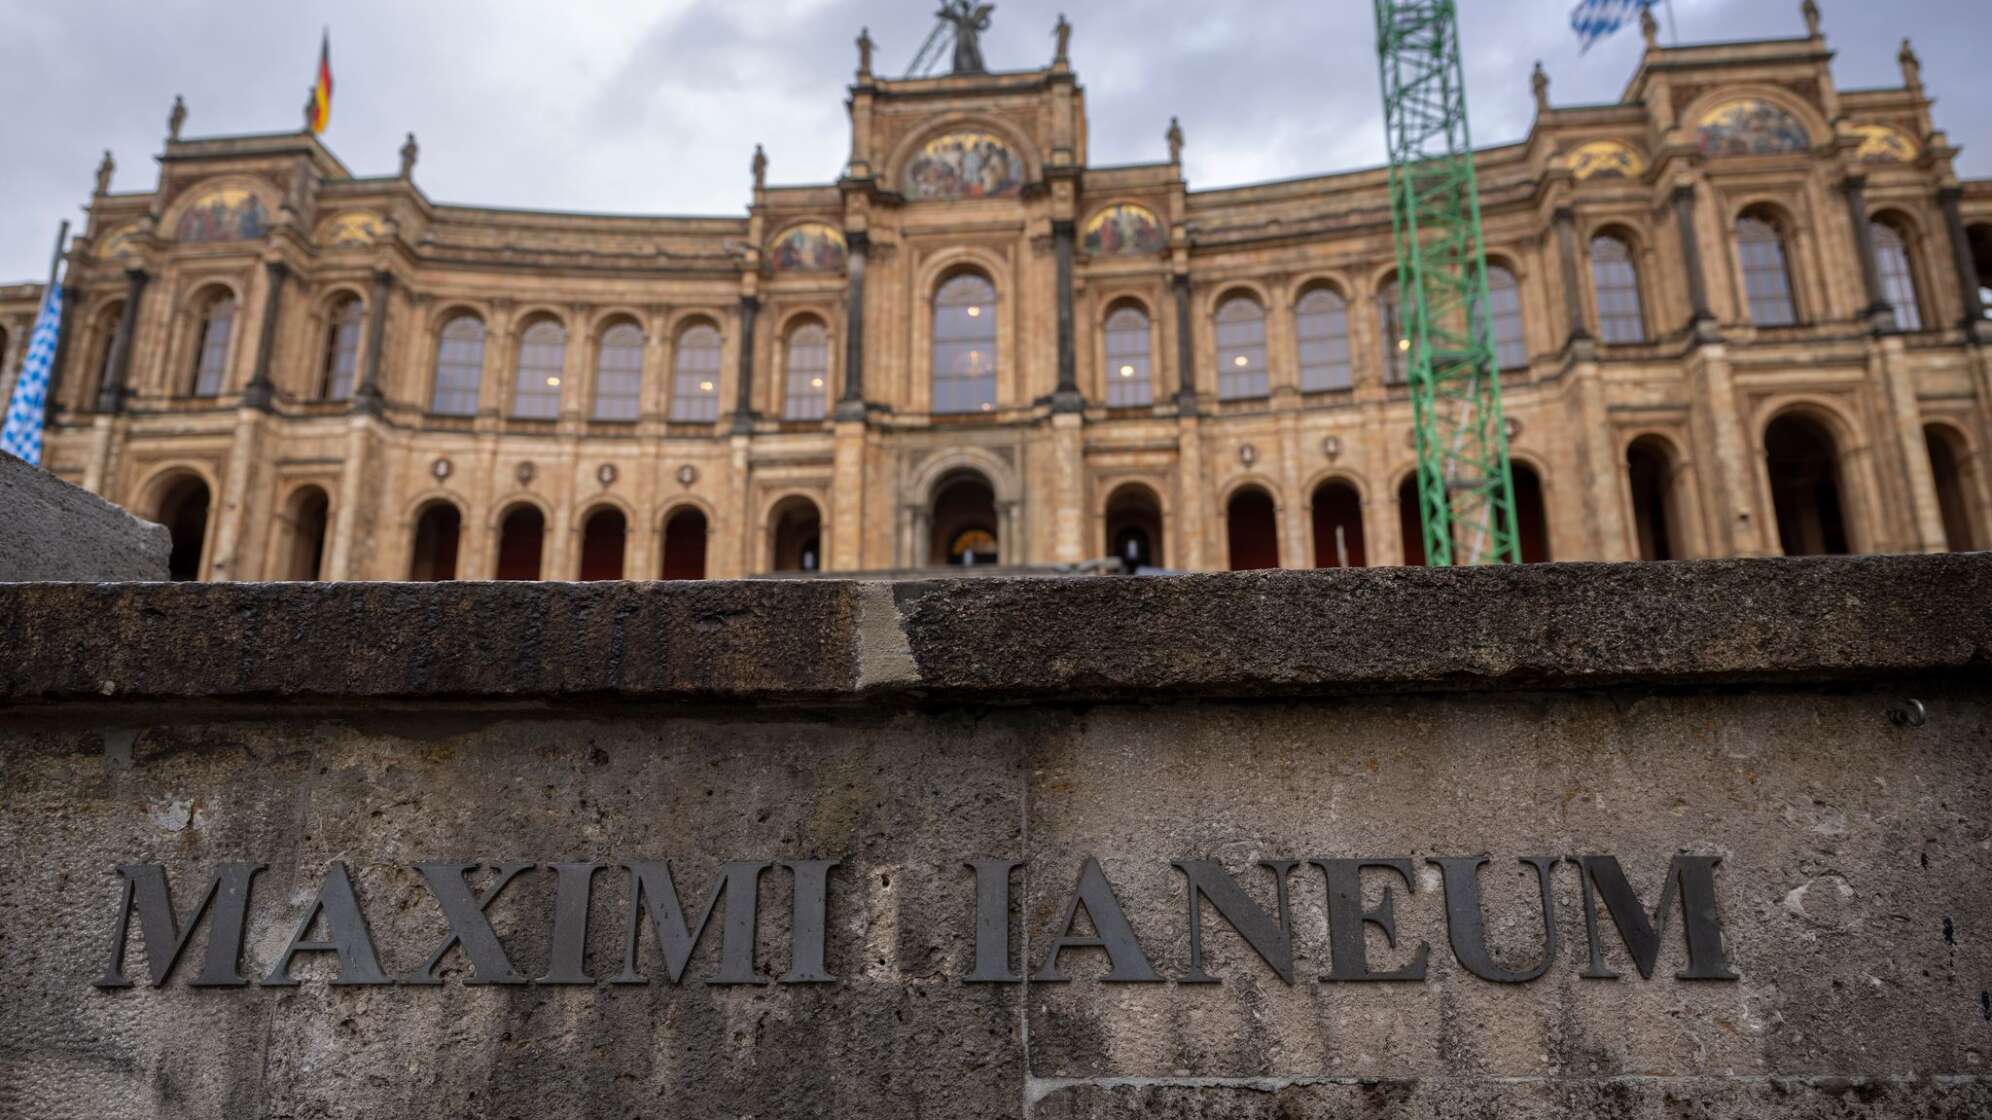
321, 90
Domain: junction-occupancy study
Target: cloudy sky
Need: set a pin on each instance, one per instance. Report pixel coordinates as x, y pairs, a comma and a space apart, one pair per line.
654, 106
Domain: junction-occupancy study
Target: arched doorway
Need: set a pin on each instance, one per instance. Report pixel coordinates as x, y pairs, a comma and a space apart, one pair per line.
1338, 527
1804, 463
521, 543
1251, 526
1980, 238
183, 509
1531, 515
1649, 467
1948, 459
1411, 522
1134, 527
685, 545
304, 534
797, 527
967, 533
603, 537
437, 531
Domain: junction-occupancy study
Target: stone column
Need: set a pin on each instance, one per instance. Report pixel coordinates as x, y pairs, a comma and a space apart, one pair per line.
261, 391
1573, 278
852, 405
743, 399
1068, 537
232, 512
845, 535
1924, 515
1067, 397
1967, 269
1732, 477
367, 397
353, 473
1186, 351
1879, 313
1691, 259
111, 395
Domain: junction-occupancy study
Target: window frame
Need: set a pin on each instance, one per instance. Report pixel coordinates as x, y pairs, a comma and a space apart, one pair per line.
970, 390
339, 358
1135, 389
211, 354
1608, 299
695, 388
1239, 376
539, 370
1340, 370
465, 391
1756, 301
1902, 285
634, 397
810, 402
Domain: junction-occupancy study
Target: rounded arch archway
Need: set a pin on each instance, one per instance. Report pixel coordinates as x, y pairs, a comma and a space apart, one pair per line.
1134, 526
795, 529
1808, 491
967, 530
1651, 464
686, 531
1953, 471
433, 552
1251, 529
604, 543
182, 507
1337, 512
302, 530
1531, 514
521, 543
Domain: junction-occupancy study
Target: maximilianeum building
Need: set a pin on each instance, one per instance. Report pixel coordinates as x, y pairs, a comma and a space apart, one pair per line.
1739, 313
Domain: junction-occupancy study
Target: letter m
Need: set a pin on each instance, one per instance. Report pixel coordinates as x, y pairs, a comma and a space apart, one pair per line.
1693, 878
165, 938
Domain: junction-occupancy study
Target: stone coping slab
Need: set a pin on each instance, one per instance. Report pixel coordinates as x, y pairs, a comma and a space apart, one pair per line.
1218, 636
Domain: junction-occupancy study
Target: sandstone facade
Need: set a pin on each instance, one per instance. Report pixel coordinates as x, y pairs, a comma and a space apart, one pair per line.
1741, 309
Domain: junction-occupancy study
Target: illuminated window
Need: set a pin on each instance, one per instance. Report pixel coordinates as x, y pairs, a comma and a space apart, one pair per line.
542, 358
807, 376
619, 373
965, 345
459, 367
1241, 350
1130, 371
695, 375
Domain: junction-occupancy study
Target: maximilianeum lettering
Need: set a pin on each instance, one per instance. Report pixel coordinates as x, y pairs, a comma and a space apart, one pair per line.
1090, 920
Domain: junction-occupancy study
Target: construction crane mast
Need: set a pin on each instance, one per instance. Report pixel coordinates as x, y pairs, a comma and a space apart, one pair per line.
1466, 488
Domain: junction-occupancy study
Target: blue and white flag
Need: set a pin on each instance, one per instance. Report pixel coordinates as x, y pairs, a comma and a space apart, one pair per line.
22, 435
1597, 19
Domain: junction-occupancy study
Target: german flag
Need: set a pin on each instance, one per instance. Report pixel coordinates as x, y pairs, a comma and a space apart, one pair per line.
321, 90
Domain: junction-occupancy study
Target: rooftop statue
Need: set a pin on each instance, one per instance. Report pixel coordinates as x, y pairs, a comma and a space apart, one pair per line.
970, 21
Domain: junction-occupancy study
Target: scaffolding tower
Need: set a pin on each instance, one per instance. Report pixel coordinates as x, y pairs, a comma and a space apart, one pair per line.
1466, 488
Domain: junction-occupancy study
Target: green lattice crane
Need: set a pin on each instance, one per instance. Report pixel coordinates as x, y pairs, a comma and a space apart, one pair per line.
1466, 489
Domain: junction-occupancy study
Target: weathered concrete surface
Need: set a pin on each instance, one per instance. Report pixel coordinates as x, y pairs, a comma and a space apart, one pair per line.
1853, 893
51, 530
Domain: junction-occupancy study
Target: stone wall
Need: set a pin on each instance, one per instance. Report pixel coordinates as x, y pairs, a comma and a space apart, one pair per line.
1797, 747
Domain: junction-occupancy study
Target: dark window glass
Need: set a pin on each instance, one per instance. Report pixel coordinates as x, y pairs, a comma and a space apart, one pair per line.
459, 367
342, 351
1615, 284
1504, 298
1898, 276
1766, 273
1321, 328
695, 375
1130, 369
965, 346
1241, 350
619, 373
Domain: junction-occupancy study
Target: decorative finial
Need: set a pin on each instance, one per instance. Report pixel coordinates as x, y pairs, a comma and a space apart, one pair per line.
1912, 67
176, 118
409, 151
1649, 26
1540, 82
1810, 9
970, 21
865, 47
1064, 33
760, 169
104, 171
1175, 138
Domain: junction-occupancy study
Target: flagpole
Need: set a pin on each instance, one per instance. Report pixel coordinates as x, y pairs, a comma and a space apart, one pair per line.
1673, 29
55, 262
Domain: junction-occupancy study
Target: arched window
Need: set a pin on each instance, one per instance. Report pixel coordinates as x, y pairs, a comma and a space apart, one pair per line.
459, 367
695, 375
211, 356
542, 357
1804, 464
1251, 529
434, 557
1130, 365
1504, 304
619, 373
965, 345
1396, 344
1650, 467
1338, 527
303, 533
685, 545
603, 536
1615, 285
521, 543
108, 321
806, 378
342, 351
183, 509
1760, 246
1321, 329
1949, 457
1241, 350
1898, 274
